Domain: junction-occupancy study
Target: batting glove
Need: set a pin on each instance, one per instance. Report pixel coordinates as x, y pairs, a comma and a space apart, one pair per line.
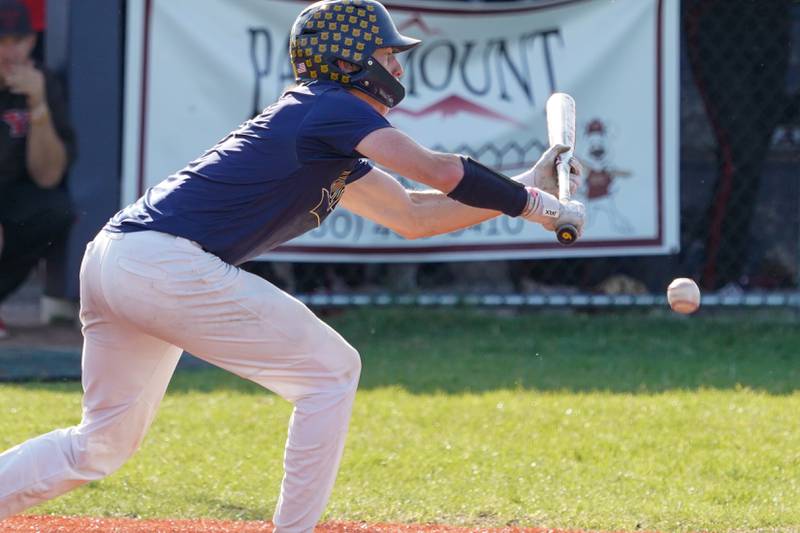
543, 175
545, 209
572, 212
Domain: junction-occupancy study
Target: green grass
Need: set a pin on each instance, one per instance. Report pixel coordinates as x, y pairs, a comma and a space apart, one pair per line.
610, 422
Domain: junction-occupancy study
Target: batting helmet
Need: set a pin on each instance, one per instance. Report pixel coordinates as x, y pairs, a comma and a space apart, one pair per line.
348, 30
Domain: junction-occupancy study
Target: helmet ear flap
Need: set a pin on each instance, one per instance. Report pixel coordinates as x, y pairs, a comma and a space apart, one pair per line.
379, 83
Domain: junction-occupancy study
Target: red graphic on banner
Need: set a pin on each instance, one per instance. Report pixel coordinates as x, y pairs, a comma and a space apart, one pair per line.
416, 20
453, 105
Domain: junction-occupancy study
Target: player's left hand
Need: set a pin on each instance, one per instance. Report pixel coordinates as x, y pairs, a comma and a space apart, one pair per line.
543, 175
28, 80
545, 209
572, 213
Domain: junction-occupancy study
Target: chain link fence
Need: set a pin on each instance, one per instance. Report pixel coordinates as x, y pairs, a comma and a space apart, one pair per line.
740, 196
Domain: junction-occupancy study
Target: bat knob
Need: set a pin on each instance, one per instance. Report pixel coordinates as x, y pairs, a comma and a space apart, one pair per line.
567, 234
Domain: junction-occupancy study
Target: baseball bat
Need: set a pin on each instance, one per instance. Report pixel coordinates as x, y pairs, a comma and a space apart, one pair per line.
561, 130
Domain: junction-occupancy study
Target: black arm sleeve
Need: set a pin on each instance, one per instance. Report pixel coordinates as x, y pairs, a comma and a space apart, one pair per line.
483, 187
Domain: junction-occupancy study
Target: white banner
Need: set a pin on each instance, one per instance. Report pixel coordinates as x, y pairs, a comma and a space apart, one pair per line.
477, 85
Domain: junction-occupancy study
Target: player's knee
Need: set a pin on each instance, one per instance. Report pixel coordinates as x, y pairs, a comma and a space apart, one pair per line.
97, 455
347, 367
353, 364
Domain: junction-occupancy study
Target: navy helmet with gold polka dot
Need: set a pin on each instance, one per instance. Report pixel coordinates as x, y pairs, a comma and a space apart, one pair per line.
348, 30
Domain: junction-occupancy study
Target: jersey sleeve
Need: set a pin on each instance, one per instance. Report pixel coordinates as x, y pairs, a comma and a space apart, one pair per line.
360, 169
336, 125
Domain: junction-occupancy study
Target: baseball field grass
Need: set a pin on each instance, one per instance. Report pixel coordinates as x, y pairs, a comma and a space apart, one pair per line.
625, 421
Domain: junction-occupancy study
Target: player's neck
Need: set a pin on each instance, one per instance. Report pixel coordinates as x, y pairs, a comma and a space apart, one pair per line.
377, 106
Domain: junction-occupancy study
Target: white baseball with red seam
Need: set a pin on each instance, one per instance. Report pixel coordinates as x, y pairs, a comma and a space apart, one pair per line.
683, 296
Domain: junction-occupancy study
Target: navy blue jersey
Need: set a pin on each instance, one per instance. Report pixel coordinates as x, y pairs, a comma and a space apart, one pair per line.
276, 177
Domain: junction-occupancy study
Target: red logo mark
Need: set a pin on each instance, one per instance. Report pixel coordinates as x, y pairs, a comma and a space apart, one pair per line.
17, 121
416, 20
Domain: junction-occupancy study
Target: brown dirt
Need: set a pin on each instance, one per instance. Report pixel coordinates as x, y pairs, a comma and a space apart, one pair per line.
59, 524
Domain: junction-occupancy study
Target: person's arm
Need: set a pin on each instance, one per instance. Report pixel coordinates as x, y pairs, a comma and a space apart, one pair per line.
466, 181
461, 178
411, 214
46, 155
398, 152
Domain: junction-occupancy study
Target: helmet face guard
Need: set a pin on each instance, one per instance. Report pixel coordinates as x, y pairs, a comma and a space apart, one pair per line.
350, 31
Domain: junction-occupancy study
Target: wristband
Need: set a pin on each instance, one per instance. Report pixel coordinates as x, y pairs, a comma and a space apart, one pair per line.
483, 187
39, 113
542, 206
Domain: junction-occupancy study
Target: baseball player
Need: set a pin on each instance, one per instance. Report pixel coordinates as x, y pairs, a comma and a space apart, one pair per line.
162, 277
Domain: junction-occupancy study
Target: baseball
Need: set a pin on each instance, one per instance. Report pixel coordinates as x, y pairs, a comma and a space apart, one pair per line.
683, 296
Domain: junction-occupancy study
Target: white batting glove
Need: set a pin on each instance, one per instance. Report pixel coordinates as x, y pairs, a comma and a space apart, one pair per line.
542, 208
543, 175
545, 209
572, 212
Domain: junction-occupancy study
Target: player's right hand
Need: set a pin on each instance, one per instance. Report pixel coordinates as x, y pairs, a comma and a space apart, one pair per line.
543, 174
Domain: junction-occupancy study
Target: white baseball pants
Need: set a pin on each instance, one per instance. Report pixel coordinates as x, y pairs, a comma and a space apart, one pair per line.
144, 298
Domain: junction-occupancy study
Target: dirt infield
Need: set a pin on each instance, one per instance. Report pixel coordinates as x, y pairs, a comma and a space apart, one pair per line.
57, 524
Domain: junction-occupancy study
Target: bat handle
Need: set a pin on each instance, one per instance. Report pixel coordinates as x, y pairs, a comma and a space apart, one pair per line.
566, 234
563, 169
